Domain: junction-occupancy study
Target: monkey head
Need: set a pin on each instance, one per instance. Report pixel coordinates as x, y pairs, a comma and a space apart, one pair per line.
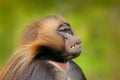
52, 37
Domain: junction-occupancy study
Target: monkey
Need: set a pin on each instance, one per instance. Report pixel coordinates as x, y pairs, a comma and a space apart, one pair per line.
46, 50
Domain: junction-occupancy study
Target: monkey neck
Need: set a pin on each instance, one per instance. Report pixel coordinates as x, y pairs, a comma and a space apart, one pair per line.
47, 53
63, 66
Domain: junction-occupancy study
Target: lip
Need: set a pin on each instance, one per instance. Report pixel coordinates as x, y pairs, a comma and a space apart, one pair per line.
76, 44
76, 50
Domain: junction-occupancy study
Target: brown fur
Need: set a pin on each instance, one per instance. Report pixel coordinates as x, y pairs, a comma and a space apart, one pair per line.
39, 33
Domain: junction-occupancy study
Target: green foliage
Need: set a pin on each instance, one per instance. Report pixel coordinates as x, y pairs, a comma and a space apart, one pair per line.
96, 22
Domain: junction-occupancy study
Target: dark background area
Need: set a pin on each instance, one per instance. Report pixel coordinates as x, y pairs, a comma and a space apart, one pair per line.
97, 22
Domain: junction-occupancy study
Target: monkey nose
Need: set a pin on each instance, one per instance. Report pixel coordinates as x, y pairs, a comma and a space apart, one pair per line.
77, 39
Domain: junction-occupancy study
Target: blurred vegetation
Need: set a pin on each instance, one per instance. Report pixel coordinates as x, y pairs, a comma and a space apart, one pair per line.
97, 22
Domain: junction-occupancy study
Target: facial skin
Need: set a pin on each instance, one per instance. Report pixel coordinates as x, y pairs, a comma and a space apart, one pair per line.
72, 42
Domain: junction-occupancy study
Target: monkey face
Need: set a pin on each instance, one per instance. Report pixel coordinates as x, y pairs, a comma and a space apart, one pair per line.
72, 42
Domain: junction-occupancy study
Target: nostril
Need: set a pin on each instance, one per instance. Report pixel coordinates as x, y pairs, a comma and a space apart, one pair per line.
77, 40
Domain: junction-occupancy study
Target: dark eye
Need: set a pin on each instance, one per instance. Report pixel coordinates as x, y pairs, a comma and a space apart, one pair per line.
65, 28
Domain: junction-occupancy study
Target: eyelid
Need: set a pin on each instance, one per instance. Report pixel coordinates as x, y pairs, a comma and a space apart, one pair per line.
65, 29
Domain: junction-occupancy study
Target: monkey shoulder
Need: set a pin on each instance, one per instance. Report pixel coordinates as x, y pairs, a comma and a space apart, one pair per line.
74, 71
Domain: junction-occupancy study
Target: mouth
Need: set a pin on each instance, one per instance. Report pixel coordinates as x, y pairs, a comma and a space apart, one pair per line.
74, 50
75, 45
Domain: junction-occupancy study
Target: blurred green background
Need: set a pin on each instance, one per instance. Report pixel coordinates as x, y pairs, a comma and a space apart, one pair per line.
97, 22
